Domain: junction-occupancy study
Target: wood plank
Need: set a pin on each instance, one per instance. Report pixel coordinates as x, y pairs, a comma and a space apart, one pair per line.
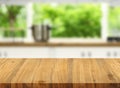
59, 73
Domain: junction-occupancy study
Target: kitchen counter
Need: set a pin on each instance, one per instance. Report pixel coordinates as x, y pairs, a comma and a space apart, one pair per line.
59, 73
61, 44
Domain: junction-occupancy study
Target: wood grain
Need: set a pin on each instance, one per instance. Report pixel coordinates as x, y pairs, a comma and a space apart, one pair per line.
59, 73
102, 44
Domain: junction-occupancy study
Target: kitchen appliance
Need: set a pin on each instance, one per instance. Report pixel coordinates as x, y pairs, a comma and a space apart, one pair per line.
113, 39
114, 35
41, 33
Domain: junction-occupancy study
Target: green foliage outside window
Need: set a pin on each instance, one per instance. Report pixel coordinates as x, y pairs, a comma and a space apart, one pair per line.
12, 20
114, 21
114, 17
83, 20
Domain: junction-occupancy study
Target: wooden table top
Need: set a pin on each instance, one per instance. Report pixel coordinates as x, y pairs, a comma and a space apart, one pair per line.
59, 73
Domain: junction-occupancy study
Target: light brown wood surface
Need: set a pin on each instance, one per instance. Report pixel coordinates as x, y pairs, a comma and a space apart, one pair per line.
102, 44
59, 73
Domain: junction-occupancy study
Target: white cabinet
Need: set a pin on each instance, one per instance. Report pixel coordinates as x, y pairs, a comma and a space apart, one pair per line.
3, 54
59, 52
66, 52
25, 52
87, 52
84, 52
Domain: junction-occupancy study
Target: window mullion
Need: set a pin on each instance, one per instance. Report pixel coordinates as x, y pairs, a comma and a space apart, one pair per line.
104, 21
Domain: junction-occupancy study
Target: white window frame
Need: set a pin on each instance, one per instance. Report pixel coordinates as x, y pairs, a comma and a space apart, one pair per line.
104, 21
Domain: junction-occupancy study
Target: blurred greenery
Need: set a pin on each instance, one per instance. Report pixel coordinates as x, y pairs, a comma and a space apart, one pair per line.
15, 33
12, 17
82, 20
67, 20
114, 18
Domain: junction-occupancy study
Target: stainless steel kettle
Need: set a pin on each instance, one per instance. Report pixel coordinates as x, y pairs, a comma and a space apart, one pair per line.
41, 33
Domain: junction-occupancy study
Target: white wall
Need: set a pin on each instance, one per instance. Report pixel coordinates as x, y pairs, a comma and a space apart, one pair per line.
113, 2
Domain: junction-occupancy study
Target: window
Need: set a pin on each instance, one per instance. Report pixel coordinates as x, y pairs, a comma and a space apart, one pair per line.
76, 20
12, 21
114, 21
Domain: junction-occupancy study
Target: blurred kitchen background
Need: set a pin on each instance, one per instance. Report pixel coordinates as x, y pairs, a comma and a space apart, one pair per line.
44, 21
83, 20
